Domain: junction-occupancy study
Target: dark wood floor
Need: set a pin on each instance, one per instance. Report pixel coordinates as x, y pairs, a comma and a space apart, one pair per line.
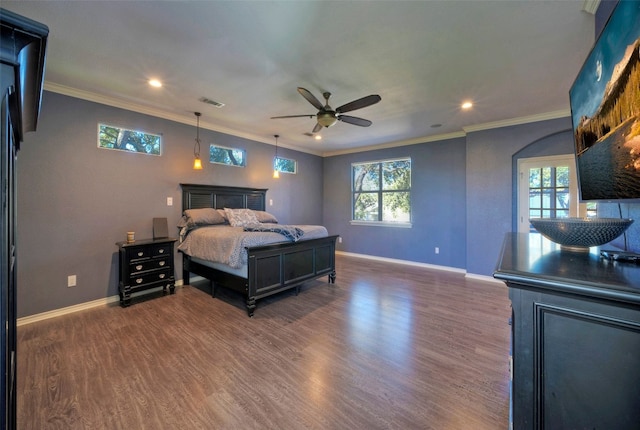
387, 347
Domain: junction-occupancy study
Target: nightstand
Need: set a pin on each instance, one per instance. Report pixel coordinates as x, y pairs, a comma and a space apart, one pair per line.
144, 264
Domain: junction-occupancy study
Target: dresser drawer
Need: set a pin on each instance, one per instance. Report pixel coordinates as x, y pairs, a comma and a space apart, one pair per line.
149, 264
140, 279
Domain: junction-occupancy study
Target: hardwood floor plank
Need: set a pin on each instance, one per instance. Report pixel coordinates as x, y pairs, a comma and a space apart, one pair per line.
388, 346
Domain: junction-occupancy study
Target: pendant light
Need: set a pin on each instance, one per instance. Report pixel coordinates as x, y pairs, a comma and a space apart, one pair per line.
276, 174
197, 163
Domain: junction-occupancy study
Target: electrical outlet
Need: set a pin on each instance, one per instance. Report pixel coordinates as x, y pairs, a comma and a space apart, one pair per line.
270, 202
437, 250
71, 281
339, 239
169, 201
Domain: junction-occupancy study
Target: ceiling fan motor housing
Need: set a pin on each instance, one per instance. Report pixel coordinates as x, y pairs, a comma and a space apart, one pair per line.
327, 118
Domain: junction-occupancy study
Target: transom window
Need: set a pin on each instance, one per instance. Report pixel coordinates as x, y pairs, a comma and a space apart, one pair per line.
285, 165
227, 156
381, 192
122, 139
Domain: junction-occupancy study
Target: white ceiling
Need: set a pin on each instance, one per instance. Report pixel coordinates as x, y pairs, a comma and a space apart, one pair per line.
516, 60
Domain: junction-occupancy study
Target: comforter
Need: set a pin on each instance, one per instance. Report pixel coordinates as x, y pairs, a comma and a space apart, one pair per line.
225, 244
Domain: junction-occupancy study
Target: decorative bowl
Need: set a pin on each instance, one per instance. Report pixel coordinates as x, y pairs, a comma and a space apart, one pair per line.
578, 234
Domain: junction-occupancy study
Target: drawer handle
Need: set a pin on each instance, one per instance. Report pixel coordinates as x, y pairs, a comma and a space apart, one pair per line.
140, 254
139, 267
139, 281
162, 263
162, 275
161, 251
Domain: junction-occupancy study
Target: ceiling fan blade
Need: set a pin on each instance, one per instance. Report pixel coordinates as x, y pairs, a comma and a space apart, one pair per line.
317, 128
310, 98
293, 116
355, 120
360, 103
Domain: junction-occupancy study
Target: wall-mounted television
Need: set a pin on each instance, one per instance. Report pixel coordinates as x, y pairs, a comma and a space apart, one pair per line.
605, 110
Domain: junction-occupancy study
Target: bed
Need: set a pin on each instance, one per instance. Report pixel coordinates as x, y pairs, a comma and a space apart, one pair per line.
271, 268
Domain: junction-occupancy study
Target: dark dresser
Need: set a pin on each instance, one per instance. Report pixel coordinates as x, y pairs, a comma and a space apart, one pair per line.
575, 336
145, 264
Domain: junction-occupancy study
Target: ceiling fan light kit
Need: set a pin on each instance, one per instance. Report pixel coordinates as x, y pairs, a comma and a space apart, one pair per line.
326, 116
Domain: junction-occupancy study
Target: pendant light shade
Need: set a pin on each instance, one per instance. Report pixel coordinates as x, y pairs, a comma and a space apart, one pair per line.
197, 163
276, 174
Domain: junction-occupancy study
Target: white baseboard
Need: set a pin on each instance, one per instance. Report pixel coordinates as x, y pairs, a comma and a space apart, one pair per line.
114, 299
405, 262
425, 265
82, 306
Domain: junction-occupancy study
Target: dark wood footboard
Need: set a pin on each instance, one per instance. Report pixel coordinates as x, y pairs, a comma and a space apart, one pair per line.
273, 268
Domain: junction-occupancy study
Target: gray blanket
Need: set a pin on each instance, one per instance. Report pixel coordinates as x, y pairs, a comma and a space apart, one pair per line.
291, 232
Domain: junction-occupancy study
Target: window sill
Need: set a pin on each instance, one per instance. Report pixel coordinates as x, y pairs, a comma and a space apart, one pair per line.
382, 224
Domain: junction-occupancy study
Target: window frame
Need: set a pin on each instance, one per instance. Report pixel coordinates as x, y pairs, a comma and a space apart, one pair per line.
576, 208
380, 193
158, 135
276, 167
244, 156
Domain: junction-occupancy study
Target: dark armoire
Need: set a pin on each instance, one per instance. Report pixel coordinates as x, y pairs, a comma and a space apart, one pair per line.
22, 56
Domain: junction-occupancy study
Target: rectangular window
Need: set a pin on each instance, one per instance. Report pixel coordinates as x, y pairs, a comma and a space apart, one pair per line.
285, 165
382, 192
121, 139
228, 156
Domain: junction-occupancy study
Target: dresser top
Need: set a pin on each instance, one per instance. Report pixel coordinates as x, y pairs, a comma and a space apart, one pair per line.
530, 261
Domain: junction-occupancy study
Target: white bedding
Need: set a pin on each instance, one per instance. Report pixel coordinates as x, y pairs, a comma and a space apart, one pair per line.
226, 245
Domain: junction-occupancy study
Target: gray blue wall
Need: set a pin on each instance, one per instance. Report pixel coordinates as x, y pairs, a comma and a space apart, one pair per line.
75, 200
437, 205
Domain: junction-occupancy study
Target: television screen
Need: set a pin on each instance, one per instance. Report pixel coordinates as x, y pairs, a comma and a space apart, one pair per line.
605, 110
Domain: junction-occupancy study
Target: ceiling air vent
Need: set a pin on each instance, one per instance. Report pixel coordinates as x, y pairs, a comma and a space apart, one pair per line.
211, 102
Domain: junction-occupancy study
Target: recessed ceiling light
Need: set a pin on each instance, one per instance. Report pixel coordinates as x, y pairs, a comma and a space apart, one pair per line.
155, 83
317, 137
467, 105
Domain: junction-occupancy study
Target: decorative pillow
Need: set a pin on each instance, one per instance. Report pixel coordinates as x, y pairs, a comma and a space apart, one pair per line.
263, 216
241, 217
204, 216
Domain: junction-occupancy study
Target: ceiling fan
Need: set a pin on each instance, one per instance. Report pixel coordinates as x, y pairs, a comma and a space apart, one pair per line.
327, 116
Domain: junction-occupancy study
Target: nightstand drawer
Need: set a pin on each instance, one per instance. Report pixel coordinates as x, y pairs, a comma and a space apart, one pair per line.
147, 278
162, 250
139, 253
150, 264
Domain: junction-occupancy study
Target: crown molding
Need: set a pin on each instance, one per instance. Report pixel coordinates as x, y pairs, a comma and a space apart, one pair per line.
564, 113
590, 6
159, 113
415, 141
135, 107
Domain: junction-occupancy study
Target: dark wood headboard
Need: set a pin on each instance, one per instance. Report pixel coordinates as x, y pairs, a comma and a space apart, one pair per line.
196, 196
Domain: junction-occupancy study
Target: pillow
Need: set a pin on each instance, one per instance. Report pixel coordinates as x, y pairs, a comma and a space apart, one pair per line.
204, 216
241, 217
263, 216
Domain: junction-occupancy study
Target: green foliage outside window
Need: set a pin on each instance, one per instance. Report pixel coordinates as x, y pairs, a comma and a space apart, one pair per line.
110, 137
382, 191
285, 165
549, 192
228, 156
